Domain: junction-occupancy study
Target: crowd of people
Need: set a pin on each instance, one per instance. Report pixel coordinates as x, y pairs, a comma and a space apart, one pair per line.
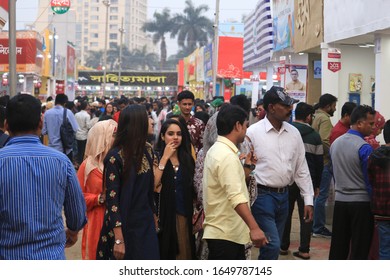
181, 178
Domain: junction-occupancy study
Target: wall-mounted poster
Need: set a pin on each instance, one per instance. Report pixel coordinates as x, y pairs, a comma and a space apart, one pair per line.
355, 98
355, 82
317, 69
295, 81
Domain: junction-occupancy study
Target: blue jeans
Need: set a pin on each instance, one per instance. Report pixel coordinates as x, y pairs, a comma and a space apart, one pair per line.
384, 239
319, 202
270, 211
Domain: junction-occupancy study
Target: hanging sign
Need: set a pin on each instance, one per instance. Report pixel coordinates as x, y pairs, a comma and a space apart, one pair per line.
60, 6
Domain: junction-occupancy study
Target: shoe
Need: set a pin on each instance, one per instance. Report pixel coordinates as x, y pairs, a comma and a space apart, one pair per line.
325, 233
283, 252
299, 255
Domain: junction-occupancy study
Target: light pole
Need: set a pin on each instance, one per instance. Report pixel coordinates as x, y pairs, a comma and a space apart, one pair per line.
53, 57
121, 30
12, 47
107, 4
215, 48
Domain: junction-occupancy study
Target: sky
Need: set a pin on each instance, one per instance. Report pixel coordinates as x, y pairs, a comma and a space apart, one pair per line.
27, 11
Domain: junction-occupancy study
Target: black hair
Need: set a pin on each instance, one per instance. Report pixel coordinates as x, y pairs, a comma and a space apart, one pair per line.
131, 137
386, 132
185, 94
61, 99
83, 105
228, 116
327, 99
360, 113
2, 116
184, 150
203, 116
348, 108
23, 113
242, 101
303, 110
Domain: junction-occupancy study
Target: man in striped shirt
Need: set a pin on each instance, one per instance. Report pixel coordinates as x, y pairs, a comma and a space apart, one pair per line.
37, 184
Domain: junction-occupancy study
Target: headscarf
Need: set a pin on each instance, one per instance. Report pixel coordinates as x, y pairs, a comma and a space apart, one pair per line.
99, 142
379, 123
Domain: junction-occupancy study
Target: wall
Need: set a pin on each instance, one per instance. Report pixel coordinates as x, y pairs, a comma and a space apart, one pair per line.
313, 85
350, 18
355, 60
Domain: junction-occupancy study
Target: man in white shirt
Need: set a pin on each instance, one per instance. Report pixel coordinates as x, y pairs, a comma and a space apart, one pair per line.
280, 151
83, 120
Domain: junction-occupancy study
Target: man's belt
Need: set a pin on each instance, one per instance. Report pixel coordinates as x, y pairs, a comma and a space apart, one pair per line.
271, 189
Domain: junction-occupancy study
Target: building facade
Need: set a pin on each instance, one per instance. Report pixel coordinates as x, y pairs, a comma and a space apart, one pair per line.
90, 24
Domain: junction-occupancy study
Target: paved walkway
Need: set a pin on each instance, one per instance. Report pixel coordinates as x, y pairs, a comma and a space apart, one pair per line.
319, 247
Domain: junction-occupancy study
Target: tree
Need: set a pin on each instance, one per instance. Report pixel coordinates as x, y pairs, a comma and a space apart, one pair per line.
145, 60
94, 59
161, 25
192, 29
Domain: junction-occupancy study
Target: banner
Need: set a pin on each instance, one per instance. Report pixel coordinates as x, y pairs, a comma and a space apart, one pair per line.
128, 78
283, 24
295, 79
28, 52
208, 63
3, 13
229, 62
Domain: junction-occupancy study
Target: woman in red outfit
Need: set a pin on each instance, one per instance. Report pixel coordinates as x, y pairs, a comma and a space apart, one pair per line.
90, 174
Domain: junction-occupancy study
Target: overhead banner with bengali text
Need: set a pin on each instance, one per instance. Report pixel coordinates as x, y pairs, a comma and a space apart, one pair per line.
128, 78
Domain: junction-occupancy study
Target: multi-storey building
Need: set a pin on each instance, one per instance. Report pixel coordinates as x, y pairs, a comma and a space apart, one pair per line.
91, 24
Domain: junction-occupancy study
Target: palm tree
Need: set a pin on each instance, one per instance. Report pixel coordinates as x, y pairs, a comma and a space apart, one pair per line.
192, 29
94, 58
161, 25
145, 60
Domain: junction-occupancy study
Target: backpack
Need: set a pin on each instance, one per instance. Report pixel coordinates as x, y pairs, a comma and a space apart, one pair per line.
66, 133
3, 140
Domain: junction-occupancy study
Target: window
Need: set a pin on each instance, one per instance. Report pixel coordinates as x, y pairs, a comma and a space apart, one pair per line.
113, 36
95, 9
113, 26
95, 18
94, 26
113, 17
113, 45
94, 44
95, 35
114, 9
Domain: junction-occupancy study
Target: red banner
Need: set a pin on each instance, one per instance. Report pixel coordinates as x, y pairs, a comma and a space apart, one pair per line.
71, 57
230, 57
334, 66
26, 51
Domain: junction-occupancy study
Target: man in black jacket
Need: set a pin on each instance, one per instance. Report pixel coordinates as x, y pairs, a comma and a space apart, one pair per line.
314, 157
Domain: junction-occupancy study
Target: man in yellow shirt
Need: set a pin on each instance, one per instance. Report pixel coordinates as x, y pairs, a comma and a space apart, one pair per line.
229, 223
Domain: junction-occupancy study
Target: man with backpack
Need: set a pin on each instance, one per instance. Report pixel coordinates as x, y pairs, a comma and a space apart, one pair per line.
53, 121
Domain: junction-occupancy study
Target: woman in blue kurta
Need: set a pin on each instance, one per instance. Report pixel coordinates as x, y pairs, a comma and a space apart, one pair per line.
129, 230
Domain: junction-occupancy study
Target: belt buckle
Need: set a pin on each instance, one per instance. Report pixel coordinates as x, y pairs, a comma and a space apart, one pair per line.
281, 190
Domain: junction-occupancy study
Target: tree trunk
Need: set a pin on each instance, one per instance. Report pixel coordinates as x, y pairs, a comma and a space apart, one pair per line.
163, 50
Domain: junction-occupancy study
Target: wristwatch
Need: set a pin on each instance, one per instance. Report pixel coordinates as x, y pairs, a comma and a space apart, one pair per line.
161, 167
250, 166
118, 241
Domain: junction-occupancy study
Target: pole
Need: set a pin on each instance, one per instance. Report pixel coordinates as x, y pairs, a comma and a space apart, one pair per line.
215, 48
121, 30
107, 4
12, 47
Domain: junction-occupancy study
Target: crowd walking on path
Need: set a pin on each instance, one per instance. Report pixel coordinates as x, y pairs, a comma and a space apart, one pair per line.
180, 178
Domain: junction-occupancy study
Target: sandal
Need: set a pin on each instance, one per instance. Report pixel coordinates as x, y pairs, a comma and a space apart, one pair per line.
283, 252
298, 255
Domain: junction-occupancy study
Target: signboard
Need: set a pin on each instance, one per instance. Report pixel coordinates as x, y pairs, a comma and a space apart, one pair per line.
334, 66
334, 56
95, 78
60, 6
